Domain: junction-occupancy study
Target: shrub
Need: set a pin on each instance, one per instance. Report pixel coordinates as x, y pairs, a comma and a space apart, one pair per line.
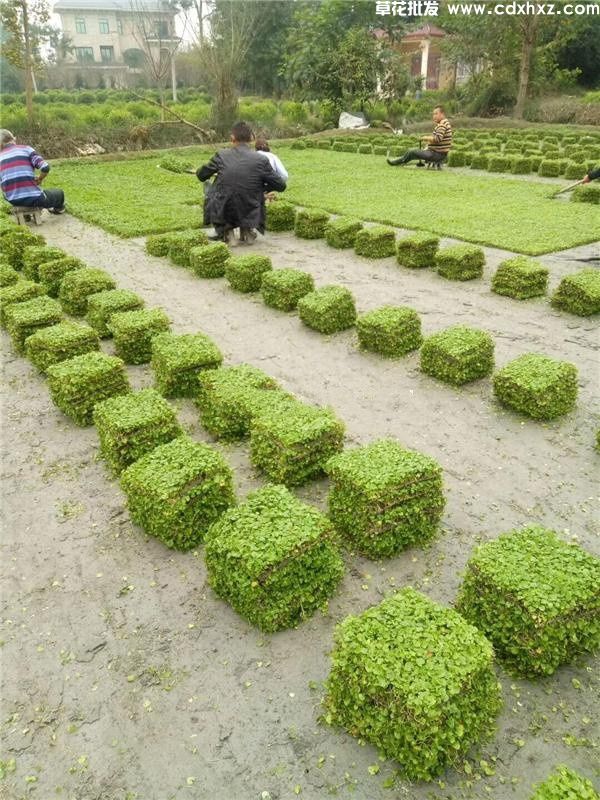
273, 558
24, 319
537, 385
291, 442
458, 355
17, 293
159, 243
60, 342
78, 284
245, 273
210, 260
178, 490
103, 305
8, 276
521, 278
34, 255
328, 309
549, 168
52, 272
132, 425
310, 224
479, 161
579, 293
13, 244
134, 331
77, 384
535, 597
175, 164
375, 242
391, 331
417, 250
499, 163
281, 216
178, 361
185, 243
415, 680
521, 165
283, 288
461, 262
565, 784
342, 232
588, 193
384, 498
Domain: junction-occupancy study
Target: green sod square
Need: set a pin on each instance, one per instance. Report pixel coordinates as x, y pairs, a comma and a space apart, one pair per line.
458, 355
158, 244
133, 332
520, 278
283, 288
328, 310
180, 248
537, 385
418, 250
178, 360
461, 262
24, 319
18, 293
77, 285
281, 216
14, 242
245, 273
103, 305
34, 255
579, 293
60, 342
210, 260
589, 193
310, 223
375, 242
341, 232
392, 331
8, 275
52, 272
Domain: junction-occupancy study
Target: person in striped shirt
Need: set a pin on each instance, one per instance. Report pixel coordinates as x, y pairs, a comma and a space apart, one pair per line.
438, 144
20, 185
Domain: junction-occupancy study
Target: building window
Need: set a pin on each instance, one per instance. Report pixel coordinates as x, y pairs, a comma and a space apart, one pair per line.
103, 26
162, 29
107, 54
119, 25
80, 25
84, 54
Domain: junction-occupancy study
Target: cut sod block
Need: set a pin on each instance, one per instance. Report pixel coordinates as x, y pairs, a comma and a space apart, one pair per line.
461, 262
103, 305
158, 244
588, 193
418, 250
34, 255
391, 331
78, 285
245, 273
178, 490
520, 278
375, 242
579, 293
133, 332
273, 558
535, 597
385, 498
310, 224
210, 260
537, 385
283, 288
178, 361
60, 342
18, 293
24, 319
415, 680
458, 355
14, 243
328, 310
281, 216
8, 275
182, 244
565, 784
52, 272
341, 232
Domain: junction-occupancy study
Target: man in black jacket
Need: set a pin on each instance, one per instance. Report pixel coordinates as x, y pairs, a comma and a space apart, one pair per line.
237, 197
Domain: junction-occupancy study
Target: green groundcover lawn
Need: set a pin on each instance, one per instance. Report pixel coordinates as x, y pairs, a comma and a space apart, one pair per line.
134, 198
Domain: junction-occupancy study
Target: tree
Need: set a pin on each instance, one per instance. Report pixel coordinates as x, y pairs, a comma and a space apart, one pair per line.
261, 73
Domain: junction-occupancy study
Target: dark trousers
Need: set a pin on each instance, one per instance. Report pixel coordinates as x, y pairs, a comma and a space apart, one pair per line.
51, 198
430, 156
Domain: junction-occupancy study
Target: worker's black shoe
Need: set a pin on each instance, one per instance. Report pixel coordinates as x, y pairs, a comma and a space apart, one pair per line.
395, 162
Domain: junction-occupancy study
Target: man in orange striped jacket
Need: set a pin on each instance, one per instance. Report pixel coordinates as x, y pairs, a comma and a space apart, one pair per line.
438, 144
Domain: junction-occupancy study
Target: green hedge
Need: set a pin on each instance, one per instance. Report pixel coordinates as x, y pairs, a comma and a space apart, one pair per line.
384, 498
565, 784
24, 319
209, 260
34, 255
392, 331
159, 243
461, 262
535, 597
520, 278
273, 558
76, 385
103, 305
587, 193
8, 276
133, 332
60, 342
458, 355
245, 273
579, 293
341, 232
178, 490
310, 223
328, 310
17, 293
537, 385
179, 360
418, 250
183, 244
375, 242
78, 284
291, 442
415, 680
52, 272
14, 242
132, 425
281, 216
283, 288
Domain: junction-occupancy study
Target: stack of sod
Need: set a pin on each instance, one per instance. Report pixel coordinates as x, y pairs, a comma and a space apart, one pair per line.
209, 260
520, 278
385, 498
132, 425
521, 165
273, 558
479, 161
52, 272
415, 680
14, 242
24, 319
245, 273
328, 309
78, 285
230, 397
182, 244
535, 597
418, 250
588, 193
458, 355
550, 168
134, 331
461, 262
34, 255
565, 784
103, 305
574, 171
8, 275
375, 242
76, 385
499, 164
391, 331
537, 385
59, 343
281, 216
178, 361
341, 232
283, 288
579, 293
310, 224
159, 243
17, 293
292, 442
177, 491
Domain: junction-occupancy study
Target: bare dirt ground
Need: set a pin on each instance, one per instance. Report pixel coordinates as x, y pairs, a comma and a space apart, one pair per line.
125, 678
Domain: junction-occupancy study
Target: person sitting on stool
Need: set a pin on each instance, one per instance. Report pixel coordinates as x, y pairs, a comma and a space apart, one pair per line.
438, 144
20, 186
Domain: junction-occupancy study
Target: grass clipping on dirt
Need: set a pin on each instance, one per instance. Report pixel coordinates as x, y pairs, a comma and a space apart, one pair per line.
24, 319
415, 680
177, 491
102, 305
328, 310
273, 558
579, 293
391, 331
59, 343
535, 597
179, 359
133, 332
458, 355
520, 278
78, 285
565, 784
284, 288
537, 385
